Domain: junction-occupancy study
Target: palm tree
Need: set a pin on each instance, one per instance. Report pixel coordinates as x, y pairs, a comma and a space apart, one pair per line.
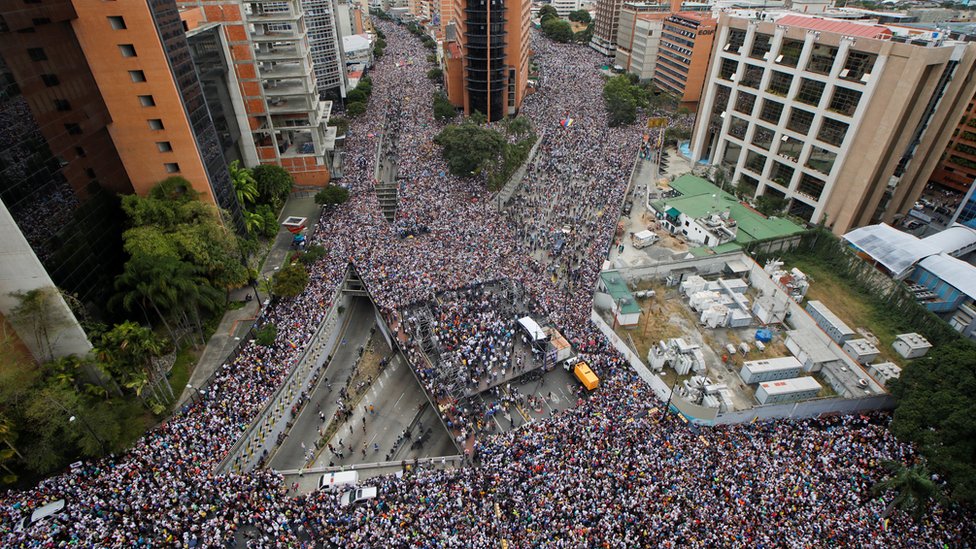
913, 487
128, 349
253, 222
244, 183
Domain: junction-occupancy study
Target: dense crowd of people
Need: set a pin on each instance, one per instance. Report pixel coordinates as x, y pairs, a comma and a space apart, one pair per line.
610, 471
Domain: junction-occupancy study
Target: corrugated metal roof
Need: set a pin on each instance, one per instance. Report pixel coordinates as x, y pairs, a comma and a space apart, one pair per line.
896, 250
952, 240
836, 26
955, 272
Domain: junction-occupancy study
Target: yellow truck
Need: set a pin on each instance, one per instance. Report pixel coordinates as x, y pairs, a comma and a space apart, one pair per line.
586, 376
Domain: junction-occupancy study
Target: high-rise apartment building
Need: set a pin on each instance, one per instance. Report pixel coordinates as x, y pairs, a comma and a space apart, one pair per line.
99, 99
957, 170
605, 24
840, 122
639, 37
493, 42
272, 58
684, 51
325, 43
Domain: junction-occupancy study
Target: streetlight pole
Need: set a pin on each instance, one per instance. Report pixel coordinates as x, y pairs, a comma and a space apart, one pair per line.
83, 421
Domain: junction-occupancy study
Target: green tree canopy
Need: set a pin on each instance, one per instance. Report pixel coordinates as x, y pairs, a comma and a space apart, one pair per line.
332, 195
580, 16
274, 184
443, 109
937, 411
435, 73
244, 184
355, 109
547, 12
183, 228
913, 488
356, 96
622, 99
557, 29
290, 281
468, 148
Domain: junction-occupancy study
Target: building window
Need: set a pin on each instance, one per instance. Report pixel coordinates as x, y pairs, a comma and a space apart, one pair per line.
781, 174
731, 156
736, 39
761, 45
755, 162
800, 120
164, 146
844, 101
789, 52
38, 21
147, 101
821, 160
771, 111
790, 148
728, 68
62, 105
822, 59
37, 54
737, 127
80, 152
762, 137
72, 129
832, 131
779, 83
172, 167
744, 102
127, 50
810, 91
117, 22
90, 173
858, 66
155, 124
137, 76
50, 80
811, 186
752, 76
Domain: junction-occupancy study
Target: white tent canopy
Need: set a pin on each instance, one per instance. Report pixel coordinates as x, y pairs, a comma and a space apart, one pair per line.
532, 328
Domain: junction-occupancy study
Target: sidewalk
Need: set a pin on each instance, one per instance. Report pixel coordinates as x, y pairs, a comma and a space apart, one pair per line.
237, 323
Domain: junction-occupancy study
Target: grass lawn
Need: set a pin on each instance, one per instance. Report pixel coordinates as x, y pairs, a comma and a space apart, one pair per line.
179, 375
855, 308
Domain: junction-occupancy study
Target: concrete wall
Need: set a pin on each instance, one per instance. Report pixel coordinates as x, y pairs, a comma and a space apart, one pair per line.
21, 271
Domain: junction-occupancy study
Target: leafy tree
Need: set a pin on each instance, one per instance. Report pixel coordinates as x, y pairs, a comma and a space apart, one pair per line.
356, 96
265, 335
128, 350
244, 184
172, 223
332, 195
557, 29
518, 126
39, 311
584, 36
435, 73
914, 489
355, 109
768, 204
341, 124
269, 226
547, 12
469, 148
580, 16
936, 411
312, 254
365, 84
274, 184
443, 109
290, 281
622, 99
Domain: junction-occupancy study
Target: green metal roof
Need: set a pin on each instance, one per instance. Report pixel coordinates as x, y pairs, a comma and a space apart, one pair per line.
700, 198
619, 291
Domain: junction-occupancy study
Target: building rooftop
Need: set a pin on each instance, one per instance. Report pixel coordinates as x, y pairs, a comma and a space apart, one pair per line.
895, 250
914, 341
700, 198
620, 292
805, 383
835, 26
955, 272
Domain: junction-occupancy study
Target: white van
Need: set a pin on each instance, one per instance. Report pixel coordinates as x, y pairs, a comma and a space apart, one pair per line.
644, 239
40, 514
339, 479
355, 496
